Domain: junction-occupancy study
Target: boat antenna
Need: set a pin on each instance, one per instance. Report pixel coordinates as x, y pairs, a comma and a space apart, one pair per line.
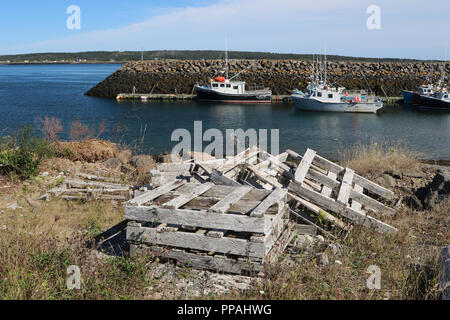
226, 57
243, 70
142, 54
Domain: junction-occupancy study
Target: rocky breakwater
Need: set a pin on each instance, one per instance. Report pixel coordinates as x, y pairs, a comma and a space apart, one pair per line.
180, 76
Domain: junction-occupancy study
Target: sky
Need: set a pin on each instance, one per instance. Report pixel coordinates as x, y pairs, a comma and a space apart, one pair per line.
405, 28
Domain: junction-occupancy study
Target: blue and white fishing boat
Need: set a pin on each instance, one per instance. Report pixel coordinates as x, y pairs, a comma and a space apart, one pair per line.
320, 97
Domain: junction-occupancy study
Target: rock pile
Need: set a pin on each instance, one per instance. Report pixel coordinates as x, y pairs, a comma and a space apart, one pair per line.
170, 76
435, 192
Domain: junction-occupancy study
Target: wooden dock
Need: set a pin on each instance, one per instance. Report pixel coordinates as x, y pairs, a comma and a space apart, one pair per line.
189, 97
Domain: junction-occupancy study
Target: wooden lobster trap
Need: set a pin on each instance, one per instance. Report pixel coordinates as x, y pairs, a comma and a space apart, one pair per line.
218, 227
323, 187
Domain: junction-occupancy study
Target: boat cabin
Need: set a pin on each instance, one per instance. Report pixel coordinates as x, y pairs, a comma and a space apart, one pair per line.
226, 86
426, 90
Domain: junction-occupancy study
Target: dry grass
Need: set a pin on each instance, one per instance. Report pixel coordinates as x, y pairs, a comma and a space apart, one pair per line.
41, 240
376, 158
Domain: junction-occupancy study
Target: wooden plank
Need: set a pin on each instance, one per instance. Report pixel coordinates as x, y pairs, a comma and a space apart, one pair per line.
185, 198
346, 186
216, 263
97, 178
156, 193
370, 203
279, 195
302, 170
195, 241
175, 167
340, 208
444, 273
326, 190
216, 233
226, 203
319, 211
355, 204
201, 219
81, 184
219, 179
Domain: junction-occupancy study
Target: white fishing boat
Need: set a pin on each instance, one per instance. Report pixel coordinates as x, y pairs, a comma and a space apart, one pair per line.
224, 89
320, 97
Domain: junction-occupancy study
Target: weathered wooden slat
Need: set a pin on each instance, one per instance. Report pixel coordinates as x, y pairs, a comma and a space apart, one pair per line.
319, 211
97, 178
156, 193
355, 204
201, 219
346, 186
175, 167
226, 203
326, 190
278, 196
185, 198
302, 170
340, 208
220, 264
370, 203
178, 239
220, 179
81, 184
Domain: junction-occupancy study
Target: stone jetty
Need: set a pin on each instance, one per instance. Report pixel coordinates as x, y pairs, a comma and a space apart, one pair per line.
180, 76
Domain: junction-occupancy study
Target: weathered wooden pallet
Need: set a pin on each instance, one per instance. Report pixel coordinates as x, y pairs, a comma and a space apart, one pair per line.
341, 191
239, 221
219, 262
93, 189
318, 184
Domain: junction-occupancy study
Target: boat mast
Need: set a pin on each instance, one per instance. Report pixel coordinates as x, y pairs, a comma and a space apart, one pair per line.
226, 57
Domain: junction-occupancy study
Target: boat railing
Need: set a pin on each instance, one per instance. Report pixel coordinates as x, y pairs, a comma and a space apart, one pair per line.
256, 88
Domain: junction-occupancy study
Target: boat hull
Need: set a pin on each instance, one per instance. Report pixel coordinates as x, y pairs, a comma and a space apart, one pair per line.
204, 94
308, 104
433, 103
408, 97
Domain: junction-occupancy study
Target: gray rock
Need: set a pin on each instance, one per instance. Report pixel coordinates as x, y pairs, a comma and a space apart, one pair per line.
335, 248
386, 181
322, 258
143, 163
113, 163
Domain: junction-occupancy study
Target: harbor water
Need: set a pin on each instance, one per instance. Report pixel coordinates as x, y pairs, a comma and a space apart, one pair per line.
30, 92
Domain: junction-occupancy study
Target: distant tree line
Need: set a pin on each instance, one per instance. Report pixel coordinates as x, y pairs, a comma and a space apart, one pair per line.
123, 56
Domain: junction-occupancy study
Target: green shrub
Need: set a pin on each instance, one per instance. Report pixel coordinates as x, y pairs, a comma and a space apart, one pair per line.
22, 152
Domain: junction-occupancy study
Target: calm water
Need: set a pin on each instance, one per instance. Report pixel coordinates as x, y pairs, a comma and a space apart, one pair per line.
32, 91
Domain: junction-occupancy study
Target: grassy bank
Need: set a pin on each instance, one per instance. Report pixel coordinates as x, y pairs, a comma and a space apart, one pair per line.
39, 239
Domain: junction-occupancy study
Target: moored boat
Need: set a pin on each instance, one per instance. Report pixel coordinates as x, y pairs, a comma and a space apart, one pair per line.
438, 101
222, 89
320, 97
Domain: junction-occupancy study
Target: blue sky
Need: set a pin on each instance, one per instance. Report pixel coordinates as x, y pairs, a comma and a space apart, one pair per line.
409, 28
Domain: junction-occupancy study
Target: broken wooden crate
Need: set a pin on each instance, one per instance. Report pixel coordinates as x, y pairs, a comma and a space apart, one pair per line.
210, 226
88, 187
321, 186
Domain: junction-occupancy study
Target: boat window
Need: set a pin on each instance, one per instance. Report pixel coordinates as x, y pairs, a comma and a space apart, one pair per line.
235, 87
446, 96
330, 96
319, 94
228, 85
314, 94
222, 85
215, 85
